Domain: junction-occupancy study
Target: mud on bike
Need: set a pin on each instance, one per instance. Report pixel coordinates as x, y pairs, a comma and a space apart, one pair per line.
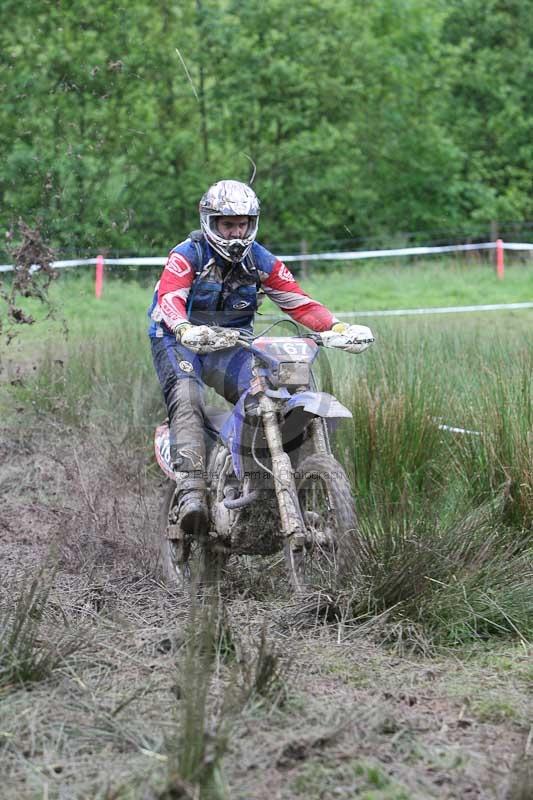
273, 484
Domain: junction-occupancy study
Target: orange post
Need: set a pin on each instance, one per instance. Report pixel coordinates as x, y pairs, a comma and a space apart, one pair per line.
499, 258
99, 280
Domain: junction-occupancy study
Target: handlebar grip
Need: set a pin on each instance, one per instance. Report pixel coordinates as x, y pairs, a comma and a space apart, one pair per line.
315, 337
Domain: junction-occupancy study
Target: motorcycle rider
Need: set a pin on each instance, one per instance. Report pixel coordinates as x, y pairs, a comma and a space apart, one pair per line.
215, 277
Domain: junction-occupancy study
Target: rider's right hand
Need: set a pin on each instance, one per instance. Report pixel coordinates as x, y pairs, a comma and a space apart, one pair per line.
181, 329
203, 339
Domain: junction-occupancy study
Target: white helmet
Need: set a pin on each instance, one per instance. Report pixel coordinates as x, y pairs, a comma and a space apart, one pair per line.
229, 199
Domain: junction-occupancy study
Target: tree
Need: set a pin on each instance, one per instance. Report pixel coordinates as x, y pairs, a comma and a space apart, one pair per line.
363, 118
490, 114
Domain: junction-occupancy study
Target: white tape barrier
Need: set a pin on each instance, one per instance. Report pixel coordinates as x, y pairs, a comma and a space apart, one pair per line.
453, 429
83, 262
517, 246
405, 312
353, 255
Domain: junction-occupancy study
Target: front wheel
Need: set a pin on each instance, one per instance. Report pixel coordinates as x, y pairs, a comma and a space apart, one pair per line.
331, 530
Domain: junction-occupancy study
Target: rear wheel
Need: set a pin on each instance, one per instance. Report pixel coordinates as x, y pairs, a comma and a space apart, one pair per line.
331, 530
188, 563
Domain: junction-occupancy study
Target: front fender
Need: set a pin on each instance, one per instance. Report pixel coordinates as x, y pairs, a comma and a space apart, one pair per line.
320, 404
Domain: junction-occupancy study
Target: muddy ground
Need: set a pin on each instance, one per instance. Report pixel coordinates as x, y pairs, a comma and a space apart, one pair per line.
354, 711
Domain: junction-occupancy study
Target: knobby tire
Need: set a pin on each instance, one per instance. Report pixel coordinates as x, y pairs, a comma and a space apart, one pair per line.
332, 534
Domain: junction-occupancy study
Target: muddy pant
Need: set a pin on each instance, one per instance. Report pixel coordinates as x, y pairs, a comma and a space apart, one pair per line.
182, 375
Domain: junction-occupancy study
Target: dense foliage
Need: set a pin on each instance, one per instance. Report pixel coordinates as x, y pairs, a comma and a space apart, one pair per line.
363, 118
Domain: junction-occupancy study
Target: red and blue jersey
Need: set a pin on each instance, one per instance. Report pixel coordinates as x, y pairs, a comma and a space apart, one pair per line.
200, 287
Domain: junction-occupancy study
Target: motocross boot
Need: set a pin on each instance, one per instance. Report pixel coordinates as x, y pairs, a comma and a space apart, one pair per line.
193, 516
187, 454
192, 507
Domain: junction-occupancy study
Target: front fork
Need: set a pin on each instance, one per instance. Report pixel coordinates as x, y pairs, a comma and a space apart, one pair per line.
320, 435
289, 508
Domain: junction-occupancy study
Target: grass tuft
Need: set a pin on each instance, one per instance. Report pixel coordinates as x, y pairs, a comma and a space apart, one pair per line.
459, 581
263, 673
27, 654
195, 755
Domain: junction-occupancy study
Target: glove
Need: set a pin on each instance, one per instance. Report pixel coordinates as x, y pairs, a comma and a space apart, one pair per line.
203, 339
350, 338
181, 329
340, 327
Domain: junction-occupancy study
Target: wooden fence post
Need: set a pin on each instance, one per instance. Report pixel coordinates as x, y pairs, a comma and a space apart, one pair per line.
99, 277
499, 259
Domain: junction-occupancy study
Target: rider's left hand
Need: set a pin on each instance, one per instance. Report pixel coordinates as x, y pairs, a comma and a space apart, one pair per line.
350, 338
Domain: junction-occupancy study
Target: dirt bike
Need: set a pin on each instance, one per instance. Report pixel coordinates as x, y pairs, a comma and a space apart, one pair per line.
273, 484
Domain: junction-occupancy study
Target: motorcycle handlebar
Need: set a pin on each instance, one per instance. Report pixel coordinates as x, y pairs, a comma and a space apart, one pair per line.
246, 338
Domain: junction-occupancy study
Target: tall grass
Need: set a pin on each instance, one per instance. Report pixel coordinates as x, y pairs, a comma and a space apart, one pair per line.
196, 755
446, 517
27, 652
105, 379
503, 455
418, 379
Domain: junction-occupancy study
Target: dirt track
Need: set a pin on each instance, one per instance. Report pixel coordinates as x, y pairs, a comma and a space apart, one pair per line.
354, 714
